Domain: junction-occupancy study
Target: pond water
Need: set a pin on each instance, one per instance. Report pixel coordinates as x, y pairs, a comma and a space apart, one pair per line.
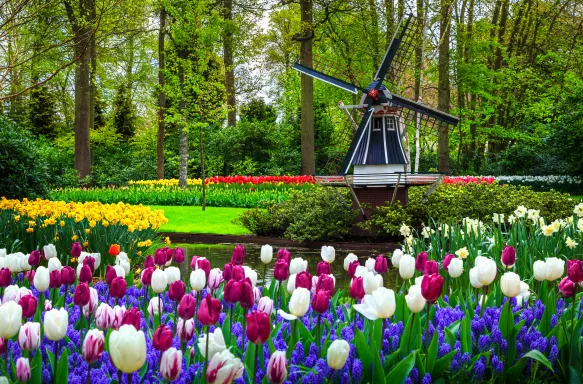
220, 254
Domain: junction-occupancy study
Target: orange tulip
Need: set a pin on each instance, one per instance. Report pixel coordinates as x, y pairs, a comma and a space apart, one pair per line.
114, 249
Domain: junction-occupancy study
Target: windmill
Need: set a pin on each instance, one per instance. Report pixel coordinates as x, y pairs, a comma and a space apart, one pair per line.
376, 155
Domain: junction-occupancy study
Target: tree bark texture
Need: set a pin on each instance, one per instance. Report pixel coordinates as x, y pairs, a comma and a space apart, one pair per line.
443, 100
229, 63
161, 95
307, 83
418, 80
183, 150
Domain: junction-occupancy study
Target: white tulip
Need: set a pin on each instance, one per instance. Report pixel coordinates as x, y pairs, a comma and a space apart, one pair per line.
54, 264
13, 262
487, 270
120, 271
379, 279
50, 251
298, 265
349, 259
2, 253
379, 305
56, 323
369, 264
24, 266
215, 278
360, 271
266, 254
415, 300
159, 281
11, 293
224, 368
265, 305
90, 308
328, 253
154, 306
291, 283
539, 268
251, 274
474, 280
197, 280
407, 267
216, 343
396, 257
418, 280
555, 268
510, 284
456, 267
298, 304
125, 264
127, 348
172, 274
370, 283
524, 294
338, 354
10, 319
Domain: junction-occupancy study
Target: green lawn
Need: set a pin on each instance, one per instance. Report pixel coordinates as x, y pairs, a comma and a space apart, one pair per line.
189, 219
576, 197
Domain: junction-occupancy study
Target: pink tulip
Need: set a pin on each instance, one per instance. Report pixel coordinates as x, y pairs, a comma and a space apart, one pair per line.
265, 305
117, 317
420, 261
23, 369
508, 256
431, 287
104, 316
29, 336
185, 332
567, 287
575, 270
171, 364
93, 346
91, 307
448, 258
277, 367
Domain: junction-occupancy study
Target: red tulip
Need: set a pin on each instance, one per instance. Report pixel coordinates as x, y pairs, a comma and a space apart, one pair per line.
169, 254
228, 272
284, 255
247, 298
508, 256
5, 277
179, 255
176, 291
76, 250
93, 346
34, 258
187, 307
193, 262
149, 262
232, 292
28, 304
325, 283
147, 276
238, 273
567, 287
209, 311
304, 280
160, 256
118, 287
85, 275
114, 250
431, 267
420, 261
321, 301
238, 255
352, 268
90, 262
575, 270
448, 258
431, 287
132, 316
258, 327
55, 279
357, 288
381, 265
110, 274
82, 294
323, 268
280, 270
67, 275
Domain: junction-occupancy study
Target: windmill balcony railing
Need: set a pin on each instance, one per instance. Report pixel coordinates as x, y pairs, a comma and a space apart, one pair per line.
380, 179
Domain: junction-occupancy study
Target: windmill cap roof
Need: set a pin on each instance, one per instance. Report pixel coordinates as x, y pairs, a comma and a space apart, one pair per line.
373, 84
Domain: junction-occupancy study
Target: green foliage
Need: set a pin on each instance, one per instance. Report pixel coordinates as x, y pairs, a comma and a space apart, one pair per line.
123, 113
23, 173
42, 112
309, 215
478, 201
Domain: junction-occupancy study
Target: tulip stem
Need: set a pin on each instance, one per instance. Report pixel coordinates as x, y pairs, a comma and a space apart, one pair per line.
119, 376
427, 334
56, 362
255, 364
88, 379
318, 337
264, 272
206, 354
175, 321
294, 331
6, 360
160, 306
330, 375
572, 326
130, 377
244, 326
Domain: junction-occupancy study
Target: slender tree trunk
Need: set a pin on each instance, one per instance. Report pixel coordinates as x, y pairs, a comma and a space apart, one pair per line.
82, 111
183, 150
443, 86
228, 63
307, 84
93, 69
202, 173
161, 94
419, 80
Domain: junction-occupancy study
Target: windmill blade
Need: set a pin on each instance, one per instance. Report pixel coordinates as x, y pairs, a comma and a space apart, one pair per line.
326, 78
422, 109
399, 52
358, 138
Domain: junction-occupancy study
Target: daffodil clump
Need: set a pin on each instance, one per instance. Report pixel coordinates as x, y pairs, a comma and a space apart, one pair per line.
33, 223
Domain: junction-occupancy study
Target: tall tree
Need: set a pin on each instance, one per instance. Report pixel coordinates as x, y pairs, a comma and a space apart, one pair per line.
161, 94
228, 62
443, 84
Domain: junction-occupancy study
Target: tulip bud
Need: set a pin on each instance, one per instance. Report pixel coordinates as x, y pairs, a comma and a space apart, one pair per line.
34, 258
162, 339
154, 306
171, 364
89, 261
228, 272
215, 279
55, 279
381, 265
22, 369
555, 268
49, 251
176, 291
357, 288
567, 287
41, 278
455, 267
486, 270
298, 265
172, 274
431, 287
326, 283
118, 287
323, 268
103, 316
258, 327
238, 273
232, 291
160, 257
265, 305
11, 315
510, 284
508, 256
337, 354
216, 343
298, 304
352, 268
474, 280
396, 257
146, 276
197, 280
185, 332
29, 336
280, 271
238, 255
114, 250
90, 308
277, 367
321, 302
55, 324
149, 262
283, 254
369, 264
256, 295
187, 307
127, 349
304, 280
28, 304
93, 346
420, 261
85, 274
210, 309
54, 264
575, 270
132, 316
6, 277
159, 281
76, 249
110, 274
247, 298
117, 317
328, 254
48, 305
169, 256
82, 294
266, 254
448, 258
179, 255
223, 365
291, 284
415, 300
348, 260
431, 267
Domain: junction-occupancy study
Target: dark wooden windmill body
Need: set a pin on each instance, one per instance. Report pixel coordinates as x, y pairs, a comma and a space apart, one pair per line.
375, 166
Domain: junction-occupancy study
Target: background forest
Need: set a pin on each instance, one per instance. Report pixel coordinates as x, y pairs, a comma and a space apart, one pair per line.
115, 90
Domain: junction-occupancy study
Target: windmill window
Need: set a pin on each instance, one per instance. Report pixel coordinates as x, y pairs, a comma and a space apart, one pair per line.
377, 124
390, 123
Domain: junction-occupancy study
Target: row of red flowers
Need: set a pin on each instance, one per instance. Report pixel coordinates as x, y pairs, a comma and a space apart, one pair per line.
469, 180
303, 179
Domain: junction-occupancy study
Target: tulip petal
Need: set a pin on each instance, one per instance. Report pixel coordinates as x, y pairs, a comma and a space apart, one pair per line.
287, 316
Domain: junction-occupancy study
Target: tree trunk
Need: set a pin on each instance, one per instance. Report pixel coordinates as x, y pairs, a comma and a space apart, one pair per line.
443, 86
93, 62
161, 95
307, 106
228, 63
418, 80
202, 173
183, 150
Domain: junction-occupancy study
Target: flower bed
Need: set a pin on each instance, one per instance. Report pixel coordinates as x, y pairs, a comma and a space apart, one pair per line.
470, 317
469, 179
228, 191
30, 224
560, 183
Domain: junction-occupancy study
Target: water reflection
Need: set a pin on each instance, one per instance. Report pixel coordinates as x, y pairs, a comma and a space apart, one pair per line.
220, 254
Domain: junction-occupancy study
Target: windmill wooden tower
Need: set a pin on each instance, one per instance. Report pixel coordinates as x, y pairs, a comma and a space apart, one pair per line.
376, 155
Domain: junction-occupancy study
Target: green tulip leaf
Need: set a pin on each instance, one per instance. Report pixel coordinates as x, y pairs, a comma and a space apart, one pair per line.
226, 328
378, 373
409, 338
36, 368
63, 366
431, 353
401, 371
144, 368
364, 354
466, 335
442, 364
536, 355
